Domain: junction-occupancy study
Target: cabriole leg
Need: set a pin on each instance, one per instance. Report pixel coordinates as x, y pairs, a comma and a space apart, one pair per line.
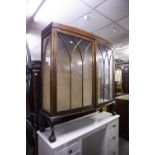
52, 137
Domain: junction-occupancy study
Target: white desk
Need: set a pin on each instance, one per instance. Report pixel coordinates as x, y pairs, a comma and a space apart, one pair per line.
94, 133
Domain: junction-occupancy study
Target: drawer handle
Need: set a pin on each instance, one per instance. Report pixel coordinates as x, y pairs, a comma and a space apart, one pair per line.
114, 126
70, 151
113, 137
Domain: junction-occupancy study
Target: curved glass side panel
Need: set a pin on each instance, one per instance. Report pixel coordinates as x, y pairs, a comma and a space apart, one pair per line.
100, 75
111, 75
106, 86
46, 74
63, 75
74, 72
105, 71
87, 74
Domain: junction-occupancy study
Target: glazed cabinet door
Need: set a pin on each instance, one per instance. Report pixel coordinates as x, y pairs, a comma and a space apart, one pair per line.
105, 74
74, 71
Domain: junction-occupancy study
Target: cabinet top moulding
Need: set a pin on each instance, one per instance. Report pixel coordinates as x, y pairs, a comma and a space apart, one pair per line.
77, 31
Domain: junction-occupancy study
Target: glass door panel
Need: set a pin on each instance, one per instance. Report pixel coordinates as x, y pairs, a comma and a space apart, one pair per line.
74, 72
76, 76
86, 48
63, 75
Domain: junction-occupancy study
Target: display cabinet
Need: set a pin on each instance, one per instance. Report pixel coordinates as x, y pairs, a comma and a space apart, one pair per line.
77, 74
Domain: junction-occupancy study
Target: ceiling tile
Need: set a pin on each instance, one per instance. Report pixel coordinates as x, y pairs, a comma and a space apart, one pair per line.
64, 13
124, 23
93, 3
94, 21
108, 33
115, 9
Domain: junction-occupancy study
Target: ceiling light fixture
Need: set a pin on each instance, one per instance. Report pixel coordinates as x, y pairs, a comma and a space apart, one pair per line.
71, 42
86, 17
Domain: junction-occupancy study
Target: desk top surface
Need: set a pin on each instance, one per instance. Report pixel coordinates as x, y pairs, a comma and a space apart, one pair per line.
77, 128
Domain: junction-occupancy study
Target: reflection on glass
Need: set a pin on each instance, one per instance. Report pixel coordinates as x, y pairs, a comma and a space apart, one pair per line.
76, 76
46, 74
100, 75
118, 75
111, 74
106, 87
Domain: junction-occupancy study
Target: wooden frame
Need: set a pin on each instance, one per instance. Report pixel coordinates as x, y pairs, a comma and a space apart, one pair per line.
55, 117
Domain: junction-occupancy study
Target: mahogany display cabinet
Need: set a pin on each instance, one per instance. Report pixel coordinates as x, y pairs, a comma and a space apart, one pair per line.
77, 74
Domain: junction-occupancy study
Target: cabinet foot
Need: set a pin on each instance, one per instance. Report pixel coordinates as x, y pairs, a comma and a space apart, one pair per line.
41, 123
113, 109
52, 137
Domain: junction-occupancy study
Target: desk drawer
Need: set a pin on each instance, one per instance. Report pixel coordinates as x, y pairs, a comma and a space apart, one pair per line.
113, 138
73, 149
112, 141
78, 152
113, 151
113, 126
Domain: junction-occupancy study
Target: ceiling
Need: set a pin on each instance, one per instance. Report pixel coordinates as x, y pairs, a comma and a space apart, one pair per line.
108, 19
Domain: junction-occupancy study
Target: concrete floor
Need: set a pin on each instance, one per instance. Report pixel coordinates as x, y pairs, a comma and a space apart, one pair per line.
123, 146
